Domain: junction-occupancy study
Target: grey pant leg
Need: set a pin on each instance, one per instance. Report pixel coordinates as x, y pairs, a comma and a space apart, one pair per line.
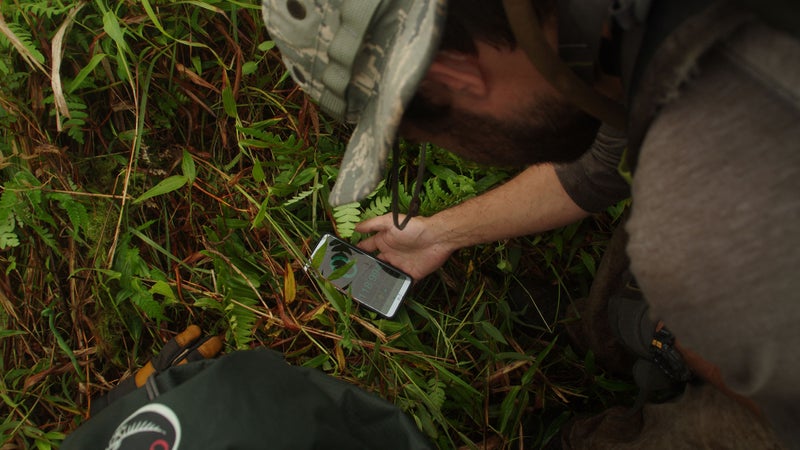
702, 418
715, 225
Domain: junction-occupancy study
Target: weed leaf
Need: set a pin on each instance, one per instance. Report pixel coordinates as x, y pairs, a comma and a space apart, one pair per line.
76, 82
228, 102
249, 68
166, 185
258, 172
164, 289
289, 285
492, 331
188, 167
112, 28
266, 46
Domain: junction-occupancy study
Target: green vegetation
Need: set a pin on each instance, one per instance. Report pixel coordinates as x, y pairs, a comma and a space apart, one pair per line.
159, 168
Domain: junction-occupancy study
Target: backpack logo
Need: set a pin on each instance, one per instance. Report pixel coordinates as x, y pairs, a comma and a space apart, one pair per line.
151, 427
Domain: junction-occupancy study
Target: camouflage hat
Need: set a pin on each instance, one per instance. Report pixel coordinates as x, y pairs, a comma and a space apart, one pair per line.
362, 61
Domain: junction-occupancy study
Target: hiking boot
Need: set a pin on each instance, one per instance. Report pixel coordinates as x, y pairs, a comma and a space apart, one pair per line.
613, 322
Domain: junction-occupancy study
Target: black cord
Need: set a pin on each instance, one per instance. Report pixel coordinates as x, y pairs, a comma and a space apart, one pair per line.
413, 207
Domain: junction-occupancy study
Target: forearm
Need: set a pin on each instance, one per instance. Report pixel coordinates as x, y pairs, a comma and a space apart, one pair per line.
540, 198
530, 203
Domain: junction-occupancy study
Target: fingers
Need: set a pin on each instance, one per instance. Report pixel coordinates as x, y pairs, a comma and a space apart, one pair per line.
374, 225
402, 249
369, 245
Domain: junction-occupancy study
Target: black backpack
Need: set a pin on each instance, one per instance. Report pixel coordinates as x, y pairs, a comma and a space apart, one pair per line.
247, 400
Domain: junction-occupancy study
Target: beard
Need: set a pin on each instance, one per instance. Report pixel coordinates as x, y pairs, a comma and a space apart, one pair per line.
551, 131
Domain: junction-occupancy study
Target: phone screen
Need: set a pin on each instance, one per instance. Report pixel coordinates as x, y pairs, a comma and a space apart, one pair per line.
368, 280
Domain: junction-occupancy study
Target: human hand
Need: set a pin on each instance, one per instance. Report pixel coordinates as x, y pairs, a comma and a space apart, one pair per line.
417, 250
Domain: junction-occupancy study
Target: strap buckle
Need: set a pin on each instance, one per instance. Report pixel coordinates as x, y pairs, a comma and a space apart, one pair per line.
667, 357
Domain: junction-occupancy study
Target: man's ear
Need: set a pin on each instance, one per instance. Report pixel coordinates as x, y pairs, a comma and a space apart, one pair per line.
459, 72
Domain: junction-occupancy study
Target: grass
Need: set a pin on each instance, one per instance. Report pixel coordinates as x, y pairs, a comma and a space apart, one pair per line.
159, 168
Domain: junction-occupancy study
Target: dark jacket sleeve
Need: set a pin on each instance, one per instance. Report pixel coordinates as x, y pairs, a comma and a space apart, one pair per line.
593, 181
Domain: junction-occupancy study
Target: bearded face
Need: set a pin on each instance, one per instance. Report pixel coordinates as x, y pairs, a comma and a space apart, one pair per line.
550, 130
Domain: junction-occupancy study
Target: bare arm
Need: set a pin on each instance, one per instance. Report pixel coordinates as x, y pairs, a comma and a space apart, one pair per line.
532, 202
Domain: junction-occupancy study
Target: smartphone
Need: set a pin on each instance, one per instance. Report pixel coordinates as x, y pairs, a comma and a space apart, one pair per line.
368, 280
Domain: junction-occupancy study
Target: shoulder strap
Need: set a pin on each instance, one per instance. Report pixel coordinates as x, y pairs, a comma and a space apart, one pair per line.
659, 54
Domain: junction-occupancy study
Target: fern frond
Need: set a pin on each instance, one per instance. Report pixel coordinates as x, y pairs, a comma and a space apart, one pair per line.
346, 217
303, 195
241, 321
380, 205
437, 394
22, 40
8, 201
46, 236
144, 300
8, 240
7, 236
76, 212
44, 8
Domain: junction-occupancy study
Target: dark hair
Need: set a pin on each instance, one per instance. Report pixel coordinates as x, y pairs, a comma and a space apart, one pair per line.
483, 20
549, 131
